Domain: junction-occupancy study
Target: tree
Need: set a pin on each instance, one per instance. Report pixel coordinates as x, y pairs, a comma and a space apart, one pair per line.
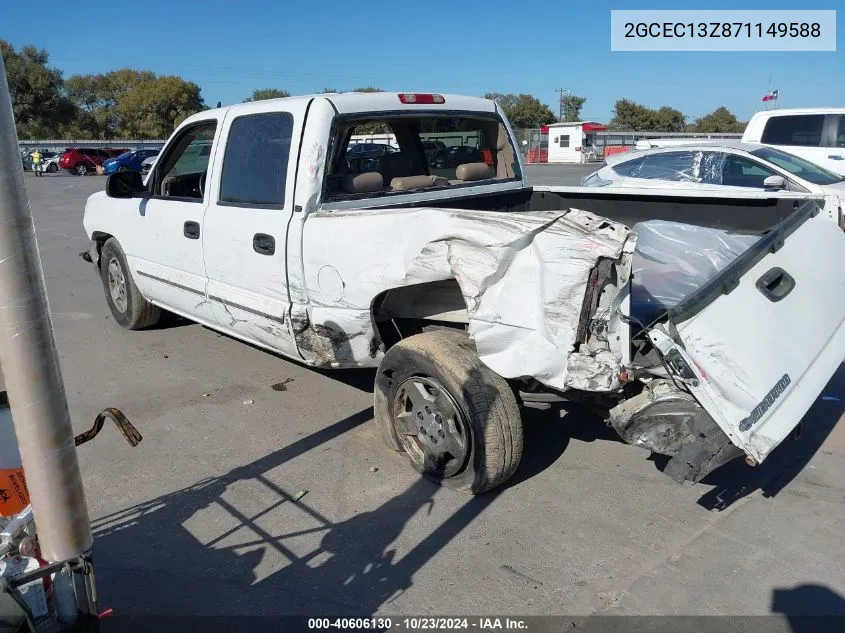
151, 109
97, 96
628, 115
39, 103
669, 120
571, 106
523, 110
720, 120
505, 101
374, 127
261, 94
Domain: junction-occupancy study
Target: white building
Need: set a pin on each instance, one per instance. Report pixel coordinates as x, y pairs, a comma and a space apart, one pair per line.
573, 142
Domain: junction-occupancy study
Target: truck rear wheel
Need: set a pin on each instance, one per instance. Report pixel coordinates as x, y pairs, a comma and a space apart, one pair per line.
127, 305
456, 420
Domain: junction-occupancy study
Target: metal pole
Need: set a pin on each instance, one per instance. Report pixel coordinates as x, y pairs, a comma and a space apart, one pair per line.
30, 365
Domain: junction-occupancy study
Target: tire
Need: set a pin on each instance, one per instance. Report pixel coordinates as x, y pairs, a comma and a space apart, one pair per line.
129, 309
52, 168
473, 417
81, 169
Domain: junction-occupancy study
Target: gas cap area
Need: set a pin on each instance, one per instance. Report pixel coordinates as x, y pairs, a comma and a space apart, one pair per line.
331, 284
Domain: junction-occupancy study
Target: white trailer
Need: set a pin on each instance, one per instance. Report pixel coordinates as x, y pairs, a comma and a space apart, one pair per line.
573, 142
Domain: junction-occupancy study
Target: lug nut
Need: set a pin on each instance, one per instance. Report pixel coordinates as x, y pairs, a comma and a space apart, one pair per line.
438, 418
420, 415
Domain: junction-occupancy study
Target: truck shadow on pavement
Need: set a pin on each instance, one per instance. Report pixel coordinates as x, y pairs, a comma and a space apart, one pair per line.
156, 565
736, 480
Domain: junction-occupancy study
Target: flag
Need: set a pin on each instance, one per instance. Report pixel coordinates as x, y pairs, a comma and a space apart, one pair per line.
772, 96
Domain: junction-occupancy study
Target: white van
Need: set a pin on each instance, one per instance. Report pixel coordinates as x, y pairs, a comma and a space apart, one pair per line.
815, 134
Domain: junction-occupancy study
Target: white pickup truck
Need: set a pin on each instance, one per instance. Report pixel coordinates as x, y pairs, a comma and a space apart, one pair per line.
469, 289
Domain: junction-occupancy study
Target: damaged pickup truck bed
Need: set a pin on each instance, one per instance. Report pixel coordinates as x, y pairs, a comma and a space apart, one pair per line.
466, 288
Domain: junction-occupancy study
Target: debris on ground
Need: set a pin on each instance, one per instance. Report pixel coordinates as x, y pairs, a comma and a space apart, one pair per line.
373, 469
249, 401
299, 495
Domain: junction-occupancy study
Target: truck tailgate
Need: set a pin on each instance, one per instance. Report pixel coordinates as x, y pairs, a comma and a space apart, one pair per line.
764, 337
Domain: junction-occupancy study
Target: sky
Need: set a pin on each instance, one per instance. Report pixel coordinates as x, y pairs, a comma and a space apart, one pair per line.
469, 47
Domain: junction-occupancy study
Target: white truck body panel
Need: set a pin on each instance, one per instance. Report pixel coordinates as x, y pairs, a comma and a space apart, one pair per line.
523, 277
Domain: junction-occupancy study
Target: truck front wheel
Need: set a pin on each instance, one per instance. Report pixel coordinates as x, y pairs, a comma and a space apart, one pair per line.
127, 305
456, 420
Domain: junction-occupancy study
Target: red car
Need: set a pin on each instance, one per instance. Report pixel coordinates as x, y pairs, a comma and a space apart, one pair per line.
81, 160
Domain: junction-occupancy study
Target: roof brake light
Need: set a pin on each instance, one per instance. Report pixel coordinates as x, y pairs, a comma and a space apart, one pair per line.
415, 97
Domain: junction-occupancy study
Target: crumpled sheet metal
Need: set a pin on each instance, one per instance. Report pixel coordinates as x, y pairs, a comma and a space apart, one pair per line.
523, 277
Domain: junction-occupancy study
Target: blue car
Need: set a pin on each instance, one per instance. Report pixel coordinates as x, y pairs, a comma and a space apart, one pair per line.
129, 161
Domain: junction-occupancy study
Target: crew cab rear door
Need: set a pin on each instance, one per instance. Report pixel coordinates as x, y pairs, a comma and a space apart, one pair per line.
759, 342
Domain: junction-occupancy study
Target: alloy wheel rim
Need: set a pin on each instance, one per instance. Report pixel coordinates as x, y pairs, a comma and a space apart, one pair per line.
430, 426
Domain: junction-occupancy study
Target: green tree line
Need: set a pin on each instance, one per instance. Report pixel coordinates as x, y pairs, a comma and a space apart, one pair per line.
129, 103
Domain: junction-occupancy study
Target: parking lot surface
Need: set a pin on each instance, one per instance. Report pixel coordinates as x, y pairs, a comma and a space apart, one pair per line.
201, 517
559, 174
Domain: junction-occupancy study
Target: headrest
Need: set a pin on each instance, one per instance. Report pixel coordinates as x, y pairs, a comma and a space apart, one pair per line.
474, 171
363, 183
404, 183
502, 141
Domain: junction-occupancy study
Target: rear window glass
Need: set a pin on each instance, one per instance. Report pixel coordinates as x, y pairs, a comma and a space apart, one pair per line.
255, 164
799, 129
418, 151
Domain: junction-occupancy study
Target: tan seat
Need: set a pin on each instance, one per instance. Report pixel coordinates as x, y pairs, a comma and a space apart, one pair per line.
474, 171
504, 155
405, 183
367, 182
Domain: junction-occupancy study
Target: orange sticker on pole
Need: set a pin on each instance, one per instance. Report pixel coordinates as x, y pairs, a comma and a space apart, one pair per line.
14, 496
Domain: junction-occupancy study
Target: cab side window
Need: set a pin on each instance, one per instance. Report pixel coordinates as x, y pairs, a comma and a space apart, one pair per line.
799, 129
182, 172
255, 164
839, 131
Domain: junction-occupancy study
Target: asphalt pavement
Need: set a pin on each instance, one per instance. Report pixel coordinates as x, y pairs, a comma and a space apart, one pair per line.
545, 174
261, 488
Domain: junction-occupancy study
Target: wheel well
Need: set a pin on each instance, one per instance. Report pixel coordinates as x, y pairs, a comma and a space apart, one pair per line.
408, 310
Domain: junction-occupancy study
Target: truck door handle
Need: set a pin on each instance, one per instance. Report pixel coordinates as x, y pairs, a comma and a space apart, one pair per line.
263, 244
775, 284
836, 156
191, 230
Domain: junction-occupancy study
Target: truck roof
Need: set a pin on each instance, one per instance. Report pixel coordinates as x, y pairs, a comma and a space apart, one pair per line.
788, 111
364, 102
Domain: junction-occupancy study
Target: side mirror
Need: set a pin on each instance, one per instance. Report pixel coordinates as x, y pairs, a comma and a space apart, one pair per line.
774, 182
125, 184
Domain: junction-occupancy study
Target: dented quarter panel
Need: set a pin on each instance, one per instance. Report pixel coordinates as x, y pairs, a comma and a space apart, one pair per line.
523, 277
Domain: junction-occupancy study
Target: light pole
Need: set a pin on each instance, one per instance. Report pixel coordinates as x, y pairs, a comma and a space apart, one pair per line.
563, 92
